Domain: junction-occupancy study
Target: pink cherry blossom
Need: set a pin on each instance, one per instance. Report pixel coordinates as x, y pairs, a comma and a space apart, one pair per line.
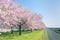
13, 13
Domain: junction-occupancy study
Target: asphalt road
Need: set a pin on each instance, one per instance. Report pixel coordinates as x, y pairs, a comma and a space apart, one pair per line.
53, 35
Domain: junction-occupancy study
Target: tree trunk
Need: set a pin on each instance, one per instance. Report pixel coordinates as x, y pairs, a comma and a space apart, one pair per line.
31, 30
20, 30
11, 30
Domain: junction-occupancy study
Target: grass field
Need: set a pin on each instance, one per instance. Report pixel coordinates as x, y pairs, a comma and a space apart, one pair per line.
26, 35
57, 30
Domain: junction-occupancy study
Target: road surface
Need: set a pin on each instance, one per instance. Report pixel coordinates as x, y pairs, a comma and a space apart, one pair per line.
53, 35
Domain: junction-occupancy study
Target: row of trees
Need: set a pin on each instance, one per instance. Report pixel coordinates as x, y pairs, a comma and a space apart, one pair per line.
13, 15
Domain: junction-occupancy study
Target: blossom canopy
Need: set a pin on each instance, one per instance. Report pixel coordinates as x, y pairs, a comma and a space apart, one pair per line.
11, 14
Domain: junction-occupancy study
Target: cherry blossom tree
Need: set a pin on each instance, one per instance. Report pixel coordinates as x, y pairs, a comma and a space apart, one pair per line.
12, 14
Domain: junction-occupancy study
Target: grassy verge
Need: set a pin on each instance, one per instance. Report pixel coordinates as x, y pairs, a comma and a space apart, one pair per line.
45, 35
57, 30
26, 35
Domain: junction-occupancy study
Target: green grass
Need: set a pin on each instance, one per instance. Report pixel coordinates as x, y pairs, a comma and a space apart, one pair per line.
26, 35
45, 35
57, 30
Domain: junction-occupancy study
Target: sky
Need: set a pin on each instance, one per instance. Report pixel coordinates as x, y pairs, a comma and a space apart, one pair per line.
49, 9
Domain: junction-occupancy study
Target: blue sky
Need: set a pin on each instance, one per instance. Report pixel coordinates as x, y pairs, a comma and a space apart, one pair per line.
49, 9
